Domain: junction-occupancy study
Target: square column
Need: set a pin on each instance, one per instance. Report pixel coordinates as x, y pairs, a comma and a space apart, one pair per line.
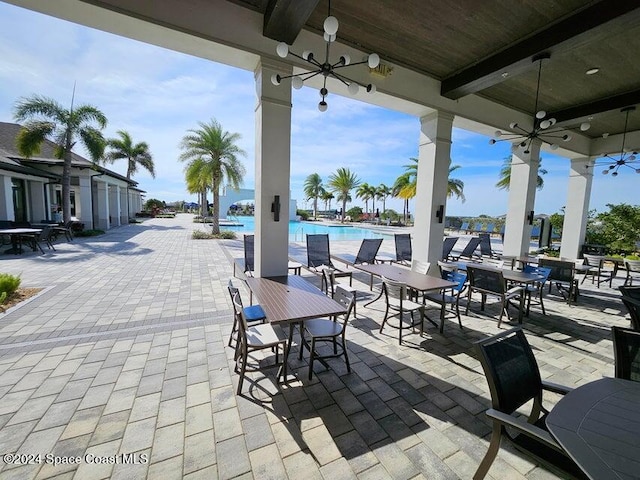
6, 199
102, 206
522, 196
36, 198
434, 158
273, 166
85, 203
576, 210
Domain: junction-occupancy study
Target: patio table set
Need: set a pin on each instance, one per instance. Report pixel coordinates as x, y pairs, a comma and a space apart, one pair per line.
20, 234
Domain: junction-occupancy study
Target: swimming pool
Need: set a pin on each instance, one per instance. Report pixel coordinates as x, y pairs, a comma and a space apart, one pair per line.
298, 230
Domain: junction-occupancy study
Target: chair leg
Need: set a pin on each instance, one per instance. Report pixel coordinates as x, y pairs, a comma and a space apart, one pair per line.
303, 342
234, 329
490, 456
312, 356
542, 303
346, 355
384, 320
243, 369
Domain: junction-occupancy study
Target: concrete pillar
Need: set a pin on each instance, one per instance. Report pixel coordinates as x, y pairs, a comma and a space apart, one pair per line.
124, 205
117, 214
102, 204
273, 152
36, 199
6, 199
84, 202
113, 206
577, 207
522, 195
434, 158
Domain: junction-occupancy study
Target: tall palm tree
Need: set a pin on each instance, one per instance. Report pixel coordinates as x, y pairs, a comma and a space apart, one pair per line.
46, 119
382, 192
138, 154
455, 186
504, 177
218, 151
198, 182
313, 189
326, 197
402, 189
342, 182
364, 192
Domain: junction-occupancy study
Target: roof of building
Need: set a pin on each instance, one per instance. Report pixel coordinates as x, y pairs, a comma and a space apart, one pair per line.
14, 161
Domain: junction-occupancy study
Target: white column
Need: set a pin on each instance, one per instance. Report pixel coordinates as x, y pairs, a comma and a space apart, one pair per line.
522, 195
118, 212
36, 199
6, 199
577, 207
273, 152
434, 158
84, 201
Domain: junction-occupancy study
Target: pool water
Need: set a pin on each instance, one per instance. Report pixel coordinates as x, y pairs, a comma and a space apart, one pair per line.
298, 230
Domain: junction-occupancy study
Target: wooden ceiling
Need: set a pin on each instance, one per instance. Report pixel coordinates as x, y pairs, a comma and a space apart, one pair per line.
485, 47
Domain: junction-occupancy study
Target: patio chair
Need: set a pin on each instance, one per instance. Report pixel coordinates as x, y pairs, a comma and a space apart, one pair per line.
514, 379
477, 228
464, 227
626, 352
324, 330
490, 228
256, 338
403, 248
491, 282
485, 246
319, 257
453, 299
329, 279
536, 289
633, 267
563, 275
45, 236
366, 254
631, 300
447, 246
598, 270
254, 313
397, 299
469, 249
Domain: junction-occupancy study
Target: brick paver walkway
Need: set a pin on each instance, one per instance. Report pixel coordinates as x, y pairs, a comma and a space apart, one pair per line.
125, 353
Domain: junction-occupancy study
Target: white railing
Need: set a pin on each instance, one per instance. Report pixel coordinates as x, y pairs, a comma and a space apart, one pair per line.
295, 234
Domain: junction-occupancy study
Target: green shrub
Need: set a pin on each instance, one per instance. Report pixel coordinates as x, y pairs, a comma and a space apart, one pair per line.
8, 285
202, 235
355, 213
89, 233
303, 214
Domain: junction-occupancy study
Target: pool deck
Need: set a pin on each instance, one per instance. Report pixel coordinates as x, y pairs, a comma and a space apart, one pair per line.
124, 352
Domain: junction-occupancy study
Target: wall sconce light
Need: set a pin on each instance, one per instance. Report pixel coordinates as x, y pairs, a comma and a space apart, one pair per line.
440, 214
275, 208
530, 217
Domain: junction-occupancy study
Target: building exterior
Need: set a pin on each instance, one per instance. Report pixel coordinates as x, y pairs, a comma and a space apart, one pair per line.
31, 189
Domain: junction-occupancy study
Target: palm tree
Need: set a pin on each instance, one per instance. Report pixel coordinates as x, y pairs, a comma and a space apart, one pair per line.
364, 192
45, 118
402, 189
313, 189
342, 182
382, 192
455, 186
198, 182
219, 153
504, 177
326, 197
138, 154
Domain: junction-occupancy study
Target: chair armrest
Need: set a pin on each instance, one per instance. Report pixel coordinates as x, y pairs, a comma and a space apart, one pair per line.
525, 428
556, 388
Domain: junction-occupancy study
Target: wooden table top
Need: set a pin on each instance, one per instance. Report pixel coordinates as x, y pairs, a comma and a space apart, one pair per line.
19, 231
598, 425
291, 298
415, 280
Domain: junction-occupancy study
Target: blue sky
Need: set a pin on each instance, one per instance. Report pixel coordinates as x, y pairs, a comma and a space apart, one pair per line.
157, 95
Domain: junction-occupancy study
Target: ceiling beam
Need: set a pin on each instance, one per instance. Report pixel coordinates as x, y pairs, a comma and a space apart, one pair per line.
517, 58
598, 106
284, 19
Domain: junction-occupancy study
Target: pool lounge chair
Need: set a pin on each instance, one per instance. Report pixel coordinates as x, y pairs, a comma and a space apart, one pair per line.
485, 245
477, 227
366, 254
464, 227
319, 257
403, 248
447, 246
468, 251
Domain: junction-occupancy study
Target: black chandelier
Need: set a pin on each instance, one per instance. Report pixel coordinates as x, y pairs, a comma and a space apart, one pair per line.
626, 158
542, 126
327, 69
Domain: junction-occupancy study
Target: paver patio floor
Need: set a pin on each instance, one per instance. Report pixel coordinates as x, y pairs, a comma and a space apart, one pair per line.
125, 353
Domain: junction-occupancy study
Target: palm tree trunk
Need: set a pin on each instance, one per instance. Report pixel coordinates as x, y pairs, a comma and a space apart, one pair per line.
384, 204
215, 224
204, 207
130, 166
315, 208
344, 209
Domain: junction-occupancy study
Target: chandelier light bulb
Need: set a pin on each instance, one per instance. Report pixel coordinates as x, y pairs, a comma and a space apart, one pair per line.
353, 88
553, 121
371, 88
275, 79
331, 25
296, 82
523, 144
282, 49
322, 106
307, 55
323, 92
513, 125
374, 60
631, 158
541, 114
345, 59
497, 134
553, 146
492, 142
566, 138
545, 124
585, 126
614, 174
605, 171
329, 38
637, 170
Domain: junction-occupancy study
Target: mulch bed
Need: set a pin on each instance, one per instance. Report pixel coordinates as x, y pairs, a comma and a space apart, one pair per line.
19, 296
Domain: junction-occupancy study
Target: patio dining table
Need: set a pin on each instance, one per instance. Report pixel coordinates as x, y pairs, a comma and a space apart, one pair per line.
15, 234
291, 299
598, 425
